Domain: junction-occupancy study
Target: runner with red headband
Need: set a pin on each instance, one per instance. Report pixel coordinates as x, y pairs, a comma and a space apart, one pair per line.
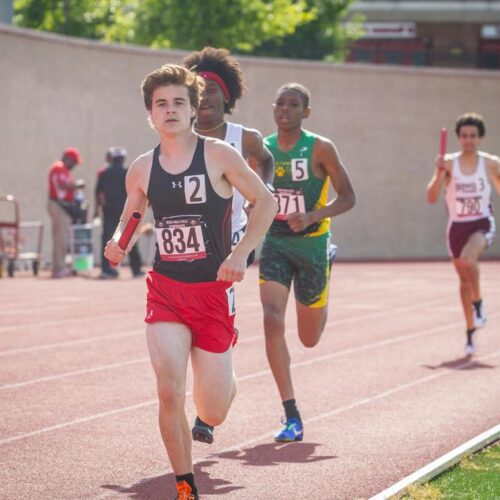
223, 88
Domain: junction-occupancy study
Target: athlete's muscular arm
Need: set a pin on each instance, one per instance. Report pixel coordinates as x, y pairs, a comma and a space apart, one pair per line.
326, 156
234, 170
136, 182
259, 157
440, 177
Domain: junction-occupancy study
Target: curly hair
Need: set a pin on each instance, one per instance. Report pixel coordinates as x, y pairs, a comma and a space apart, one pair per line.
470, 119
221, 62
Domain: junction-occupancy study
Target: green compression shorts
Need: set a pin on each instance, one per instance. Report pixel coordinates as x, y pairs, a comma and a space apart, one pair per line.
301, 260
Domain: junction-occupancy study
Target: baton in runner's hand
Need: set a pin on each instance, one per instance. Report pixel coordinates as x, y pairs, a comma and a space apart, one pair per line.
442, 148
128, 233
442, 143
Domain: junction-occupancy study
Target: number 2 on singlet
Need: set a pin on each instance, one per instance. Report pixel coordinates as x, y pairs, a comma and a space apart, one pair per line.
194, 190
231, 302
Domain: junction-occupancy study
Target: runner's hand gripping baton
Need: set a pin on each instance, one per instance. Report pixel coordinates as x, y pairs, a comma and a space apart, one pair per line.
128, 233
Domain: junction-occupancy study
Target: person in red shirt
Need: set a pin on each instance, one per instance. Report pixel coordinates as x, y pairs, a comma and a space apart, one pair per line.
60, 204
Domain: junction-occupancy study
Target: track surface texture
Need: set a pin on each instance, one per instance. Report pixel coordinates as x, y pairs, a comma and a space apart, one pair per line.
386, 391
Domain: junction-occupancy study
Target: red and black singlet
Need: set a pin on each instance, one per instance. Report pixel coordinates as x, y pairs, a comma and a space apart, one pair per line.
192, 222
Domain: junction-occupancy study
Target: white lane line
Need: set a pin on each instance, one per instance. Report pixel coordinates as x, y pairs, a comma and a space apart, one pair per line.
363, 347
85, 371
241, 379
242, 341
60, 303
22, 350
40, 325
332, 323
362, 402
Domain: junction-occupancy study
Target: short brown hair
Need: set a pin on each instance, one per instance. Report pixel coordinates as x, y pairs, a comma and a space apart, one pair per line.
172, 74
470, 119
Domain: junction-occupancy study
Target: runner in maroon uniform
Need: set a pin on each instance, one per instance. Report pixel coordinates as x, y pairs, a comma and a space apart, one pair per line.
190, 304
467, 177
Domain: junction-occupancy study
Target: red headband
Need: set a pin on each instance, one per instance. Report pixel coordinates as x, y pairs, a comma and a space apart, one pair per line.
208, 75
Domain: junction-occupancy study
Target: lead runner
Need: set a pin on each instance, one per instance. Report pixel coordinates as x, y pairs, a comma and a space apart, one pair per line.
467, 177
189, 182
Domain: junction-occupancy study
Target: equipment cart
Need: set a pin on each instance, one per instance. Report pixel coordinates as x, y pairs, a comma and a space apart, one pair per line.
18, 240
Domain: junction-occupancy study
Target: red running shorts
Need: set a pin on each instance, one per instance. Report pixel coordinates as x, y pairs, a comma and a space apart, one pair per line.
207, 309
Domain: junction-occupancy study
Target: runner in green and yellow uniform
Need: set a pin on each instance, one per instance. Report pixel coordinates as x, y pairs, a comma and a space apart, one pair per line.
297, 245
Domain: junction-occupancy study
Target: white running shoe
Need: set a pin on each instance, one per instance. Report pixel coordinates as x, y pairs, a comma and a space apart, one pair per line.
479, 319
470, 348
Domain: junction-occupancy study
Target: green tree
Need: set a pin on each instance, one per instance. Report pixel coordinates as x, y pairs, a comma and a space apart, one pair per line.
80, 18
325, 37
187, 24
285, 28
235, 24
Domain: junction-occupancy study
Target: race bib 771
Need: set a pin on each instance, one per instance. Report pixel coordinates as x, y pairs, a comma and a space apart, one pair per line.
289, 202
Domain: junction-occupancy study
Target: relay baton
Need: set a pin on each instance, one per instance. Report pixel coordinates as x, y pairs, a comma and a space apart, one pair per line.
442, 145
128, 233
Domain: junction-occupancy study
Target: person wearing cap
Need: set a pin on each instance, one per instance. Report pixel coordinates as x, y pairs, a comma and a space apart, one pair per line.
60, 205
111, 195
224, 86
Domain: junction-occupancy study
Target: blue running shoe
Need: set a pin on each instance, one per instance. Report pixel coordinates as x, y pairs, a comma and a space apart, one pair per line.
293, 431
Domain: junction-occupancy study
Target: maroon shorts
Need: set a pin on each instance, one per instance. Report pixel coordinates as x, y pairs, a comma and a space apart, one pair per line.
460, 232
207, 309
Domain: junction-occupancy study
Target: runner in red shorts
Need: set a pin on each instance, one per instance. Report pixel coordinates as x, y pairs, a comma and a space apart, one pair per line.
467, 177
188, 180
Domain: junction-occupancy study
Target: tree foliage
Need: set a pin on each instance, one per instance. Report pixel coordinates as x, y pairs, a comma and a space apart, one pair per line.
288, 28
324, 37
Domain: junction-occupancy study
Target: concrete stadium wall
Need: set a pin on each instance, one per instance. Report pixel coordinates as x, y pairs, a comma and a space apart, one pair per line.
57, 92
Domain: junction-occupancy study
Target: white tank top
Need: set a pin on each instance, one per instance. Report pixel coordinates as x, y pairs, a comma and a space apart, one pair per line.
234, 136
468, 196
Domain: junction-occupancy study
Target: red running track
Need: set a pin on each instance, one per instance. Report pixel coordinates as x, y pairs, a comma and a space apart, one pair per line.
386, 391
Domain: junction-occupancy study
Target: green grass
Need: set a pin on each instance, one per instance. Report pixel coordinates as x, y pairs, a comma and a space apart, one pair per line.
475, 478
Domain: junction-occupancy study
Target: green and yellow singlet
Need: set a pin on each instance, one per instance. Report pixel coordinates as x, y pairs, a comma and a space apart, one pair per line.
297, 189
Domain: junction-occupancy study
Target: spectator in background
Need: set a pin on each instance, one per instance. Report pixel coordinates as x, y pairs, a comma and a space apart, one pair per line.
111, 195
61, 206
100, 170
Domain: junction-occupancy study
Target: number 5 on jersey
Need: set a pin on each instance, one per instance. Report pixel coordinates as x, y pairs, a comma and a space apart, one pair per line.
299, 169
